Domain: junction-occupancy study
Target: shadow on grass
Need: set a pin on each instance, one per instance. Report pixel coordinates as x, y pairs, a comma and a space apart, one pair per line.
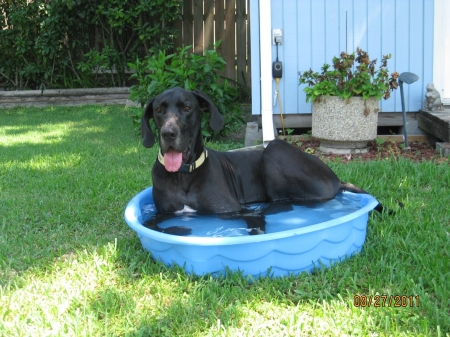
67, 175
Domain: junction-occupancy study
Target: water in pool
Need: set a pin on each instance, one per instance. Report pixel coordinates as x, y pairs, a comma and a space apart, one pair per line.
300, 216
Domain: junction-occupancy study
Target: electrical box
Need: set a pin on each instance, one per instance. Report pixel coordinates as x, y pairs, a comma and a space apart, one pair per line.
277, 36
277, 69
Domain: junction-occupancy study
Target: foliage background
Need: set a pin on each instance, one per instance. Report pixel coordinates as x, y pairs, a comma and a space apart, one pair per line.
160, 72
80, 43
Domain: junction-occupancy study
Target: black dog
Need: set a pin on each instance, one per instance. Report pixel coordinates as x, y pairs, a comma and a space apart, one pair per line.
187, 177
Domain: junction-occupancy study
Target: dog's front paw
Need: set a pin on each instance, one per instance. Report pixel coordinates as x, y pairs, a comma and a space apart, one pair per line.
255, 231
173, 230
157, 218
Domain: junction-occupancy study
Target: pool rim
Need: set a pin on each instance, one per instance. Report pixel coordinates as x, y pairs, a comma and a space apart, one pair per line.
133, 210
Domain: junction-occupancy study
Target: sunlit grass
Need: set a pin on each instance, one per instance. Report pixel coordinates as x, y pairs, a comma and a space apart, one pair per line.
70, 266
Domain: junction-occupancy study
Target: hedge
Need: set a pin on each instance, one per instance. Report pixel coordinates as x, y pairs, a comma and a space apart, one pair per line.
80, 43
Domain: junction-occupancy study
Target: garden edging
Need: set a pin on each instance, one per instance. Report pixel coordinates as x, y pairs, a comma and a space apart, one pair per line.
69, 97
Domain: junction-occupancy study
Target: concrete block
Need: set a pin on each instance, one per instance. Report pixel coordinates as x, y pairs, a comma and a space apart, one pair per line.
443, 148
130, 103
252, 134
412, 128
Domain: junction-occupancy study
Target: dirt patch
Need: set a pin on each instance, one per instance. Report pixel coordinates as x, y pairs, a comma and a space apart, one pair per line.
379, 150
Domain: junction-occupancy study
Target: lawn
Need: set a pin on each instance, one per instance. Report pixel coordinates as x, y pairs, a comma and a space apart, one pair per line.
70, 266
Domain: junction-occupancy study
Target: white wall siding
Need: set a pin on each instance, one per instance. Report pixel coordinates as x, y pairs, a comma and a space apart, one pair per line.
316, 30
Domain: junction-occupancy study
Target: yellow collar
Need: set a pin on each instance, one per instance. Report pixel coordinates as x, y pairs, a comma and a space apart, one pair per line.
187, 168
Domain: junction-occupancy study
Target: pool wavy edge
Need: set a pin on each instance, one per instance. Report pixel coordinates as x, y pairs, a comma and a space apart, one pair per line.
275, 254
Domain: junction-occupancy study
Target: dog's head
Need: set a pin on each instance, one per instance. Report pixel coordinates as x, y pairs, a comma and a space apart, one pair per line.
177, 116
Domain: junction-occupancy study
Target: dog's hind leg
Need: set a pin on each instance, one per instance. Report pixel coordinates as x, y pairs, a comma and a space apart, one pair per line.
290, 174
277, 207
256, 219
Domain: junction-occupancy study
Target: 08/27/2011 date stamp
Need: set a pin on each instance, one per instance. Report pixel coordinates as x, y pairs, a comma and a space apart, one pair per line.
381, 301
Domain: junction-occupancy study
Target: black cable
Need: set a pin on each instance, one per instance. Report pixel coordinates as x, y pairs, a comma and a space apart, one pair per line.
276, 43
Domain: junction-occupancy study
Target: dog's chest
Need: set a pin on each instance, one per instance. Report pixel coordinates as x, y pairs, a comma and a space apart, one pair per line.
212, 198
186, 210
217, 186
181, 202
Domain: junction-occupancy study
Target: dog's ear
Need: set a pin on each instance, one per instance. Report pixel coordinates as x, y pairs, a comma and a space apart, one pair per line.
146, 130
216, 120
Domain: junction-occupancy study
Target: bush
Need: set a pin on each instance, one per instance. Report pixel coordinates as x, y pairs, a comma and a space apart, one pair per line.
80, 43
160, 72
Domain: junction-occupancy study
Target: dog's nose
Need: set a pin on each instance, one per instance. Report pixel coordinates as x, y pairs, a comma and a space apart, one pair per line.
169, 133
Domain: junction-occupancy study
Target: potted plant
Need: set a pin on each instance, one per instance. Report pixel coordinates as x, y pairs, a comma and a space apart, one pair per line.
345, 100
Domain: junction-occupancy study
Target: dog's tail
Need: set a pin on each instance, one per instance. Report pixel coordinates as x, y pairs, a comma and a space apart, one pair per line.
351, 188
355, 189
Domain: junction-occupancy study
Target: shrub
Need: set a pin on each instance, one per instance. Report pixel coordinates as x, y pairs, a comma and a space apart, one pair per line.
346, 81
160, 72
80, 43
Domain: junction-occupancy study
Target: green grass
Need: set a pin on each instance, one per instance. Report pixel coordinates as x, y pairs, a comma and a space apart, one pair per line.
70, 266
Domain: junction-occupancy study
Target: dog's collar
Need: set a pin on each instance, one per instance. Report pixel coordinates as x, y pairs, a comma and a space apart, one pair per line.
187, 168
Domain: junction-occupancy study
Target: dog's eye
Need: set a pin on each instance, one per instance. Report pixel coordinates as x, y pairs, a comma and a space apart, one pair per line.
187, 108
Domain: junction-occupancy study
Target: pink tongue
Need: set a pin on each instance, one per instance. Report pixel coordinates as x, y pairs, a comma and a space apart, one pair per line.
173, 160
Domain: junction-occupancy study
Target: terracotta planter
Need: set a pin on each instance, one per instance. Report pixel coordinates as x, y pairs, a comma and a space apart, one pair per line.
344, 126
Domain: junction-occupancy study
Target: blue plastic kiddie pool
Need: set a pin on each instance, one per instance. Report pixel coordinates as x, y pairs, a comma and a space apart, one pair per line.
295, 241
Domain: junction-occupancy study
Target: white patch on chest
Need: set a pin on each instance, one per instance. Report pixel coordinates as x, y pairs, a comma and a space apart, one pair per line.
186, 209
